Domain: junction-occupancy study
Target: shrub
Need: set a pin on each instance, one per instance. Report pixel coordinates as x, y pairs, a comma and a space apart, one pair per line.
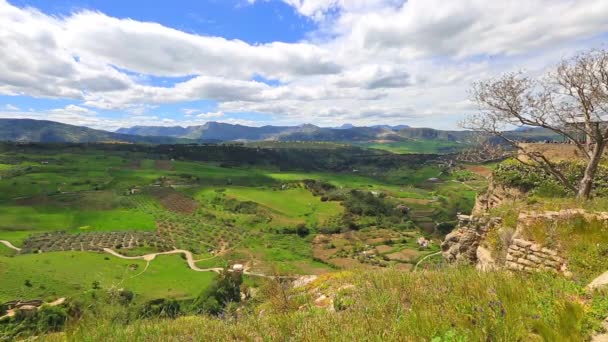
227, 289
162, 307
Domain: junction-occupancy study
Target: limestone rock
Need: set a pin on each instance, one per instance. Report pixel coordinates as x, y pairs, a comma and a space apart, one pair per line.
485, 261
599, 282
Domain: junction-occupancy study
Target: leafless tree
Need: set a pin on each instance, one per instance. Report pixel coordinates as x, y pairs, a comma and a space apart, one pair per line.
482, 150
571, 100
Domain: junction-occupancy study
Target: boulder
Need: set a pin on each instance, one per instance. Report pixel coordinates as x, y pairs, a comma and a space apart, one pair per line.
599, 282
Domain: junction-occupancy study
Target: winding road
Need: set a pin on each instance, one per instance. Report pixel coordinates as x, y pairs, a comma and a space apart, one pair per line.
423, 259
152, 256
149, 257
189, 259
10, 245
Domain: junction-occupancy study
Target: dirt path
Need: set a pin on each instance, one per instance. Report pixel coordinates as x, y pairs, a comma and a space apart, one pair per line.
10, 245
189, 259
423, 259
152, 256
12, 312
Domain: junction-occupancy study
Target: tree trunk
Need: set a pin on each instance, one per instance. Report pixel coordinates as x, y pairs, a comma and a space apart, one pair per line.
586, 184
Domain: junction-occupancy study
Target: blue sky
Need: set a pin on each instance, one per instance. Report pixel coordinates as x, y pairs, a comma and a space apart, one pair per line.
231, 19
109, 63
266, 21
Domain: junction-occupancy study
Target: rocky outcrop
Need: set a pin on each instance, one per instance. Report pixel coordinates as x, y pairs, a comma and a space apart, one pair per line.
485, 260
495, 196
461, 244
600, 282
467, 243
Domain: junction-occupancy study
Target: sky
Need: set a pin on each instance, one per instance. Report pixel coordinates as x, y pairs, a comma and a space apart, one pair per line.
113, 63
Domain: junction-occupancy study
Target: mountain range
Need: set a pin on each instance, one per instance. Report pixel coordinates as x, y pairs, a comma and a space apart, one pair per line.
28, 130
307, 132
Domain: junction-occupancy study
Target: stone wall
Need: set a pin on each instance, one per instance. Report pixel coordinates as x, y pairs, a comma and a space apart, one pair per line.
524, 255
464, 244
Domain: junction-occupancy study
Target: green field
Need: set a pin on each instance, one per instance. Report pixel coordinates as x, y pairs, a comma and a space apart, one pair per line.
222, 213
54, 275
293, 203
416, 146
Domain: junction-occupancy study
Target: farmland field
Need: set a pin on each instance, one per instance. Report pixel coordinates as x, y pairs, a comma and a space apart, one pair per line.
65, 204
416, 146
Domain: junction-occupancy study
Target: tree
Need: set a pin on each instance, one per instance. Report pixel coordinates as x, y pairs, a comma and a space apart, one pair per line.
226, 289
570, 101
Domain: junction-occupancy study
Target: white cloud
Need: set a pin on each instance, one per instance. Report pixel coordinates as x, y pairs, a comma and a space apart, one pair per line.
370, 61
210, 115
10, 107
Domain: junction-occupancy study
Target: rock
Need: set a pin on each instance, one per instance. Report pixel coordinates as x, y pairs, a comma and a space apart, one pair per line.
485, 261
517, 254
602, 337
514, 266
599, 282
304, 280
324, 302
534, 258
549, 251
525, 262
522, 243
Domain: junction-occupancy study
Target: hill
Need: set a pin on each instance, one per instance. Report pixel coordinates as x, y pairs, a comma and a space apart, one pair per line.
27, 130
307, 132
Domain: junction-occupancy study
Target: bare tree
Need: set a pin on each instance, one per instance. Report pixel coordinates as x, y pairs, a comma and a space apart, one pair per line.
571, 100
482, 150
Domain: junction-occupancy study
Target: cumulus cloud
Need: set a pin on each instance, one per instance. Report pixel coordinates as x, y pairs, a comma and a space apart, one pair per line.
210, 115
369, 61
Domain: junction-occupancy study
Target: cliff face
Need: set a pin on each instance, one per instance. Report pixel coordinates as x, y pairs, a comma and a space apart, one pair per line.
496, 195
462, 244
469, 243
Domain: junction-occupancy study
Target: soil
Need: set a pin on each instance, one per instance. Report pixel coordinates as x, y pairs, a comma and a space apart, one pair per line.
166, 165
406, 255
174, 200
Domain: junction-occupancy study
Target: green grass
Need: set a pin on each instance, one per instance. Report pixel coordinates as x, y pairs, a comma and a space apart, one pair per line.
293, 203
449, 305
42, 219
583, 243
416, 146
59, 274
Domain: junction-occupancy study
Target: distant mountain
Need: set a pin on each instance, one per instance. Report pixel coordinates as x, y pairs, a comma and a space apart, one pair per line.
393, 128
345, 126
216, 131
49, 131
307, 132
28, 130
160, 131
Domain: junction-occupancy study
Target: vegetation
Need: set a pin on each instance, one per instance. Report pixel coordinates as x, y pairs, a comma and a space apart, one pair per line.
570, 101
530, 179
345, 212
454, 304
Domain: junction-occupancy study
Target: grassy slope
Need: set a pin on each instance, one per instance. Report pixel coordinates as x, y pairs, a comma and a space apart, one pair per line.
293, 203
53, 275
415, 146
450, 305
110, 209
